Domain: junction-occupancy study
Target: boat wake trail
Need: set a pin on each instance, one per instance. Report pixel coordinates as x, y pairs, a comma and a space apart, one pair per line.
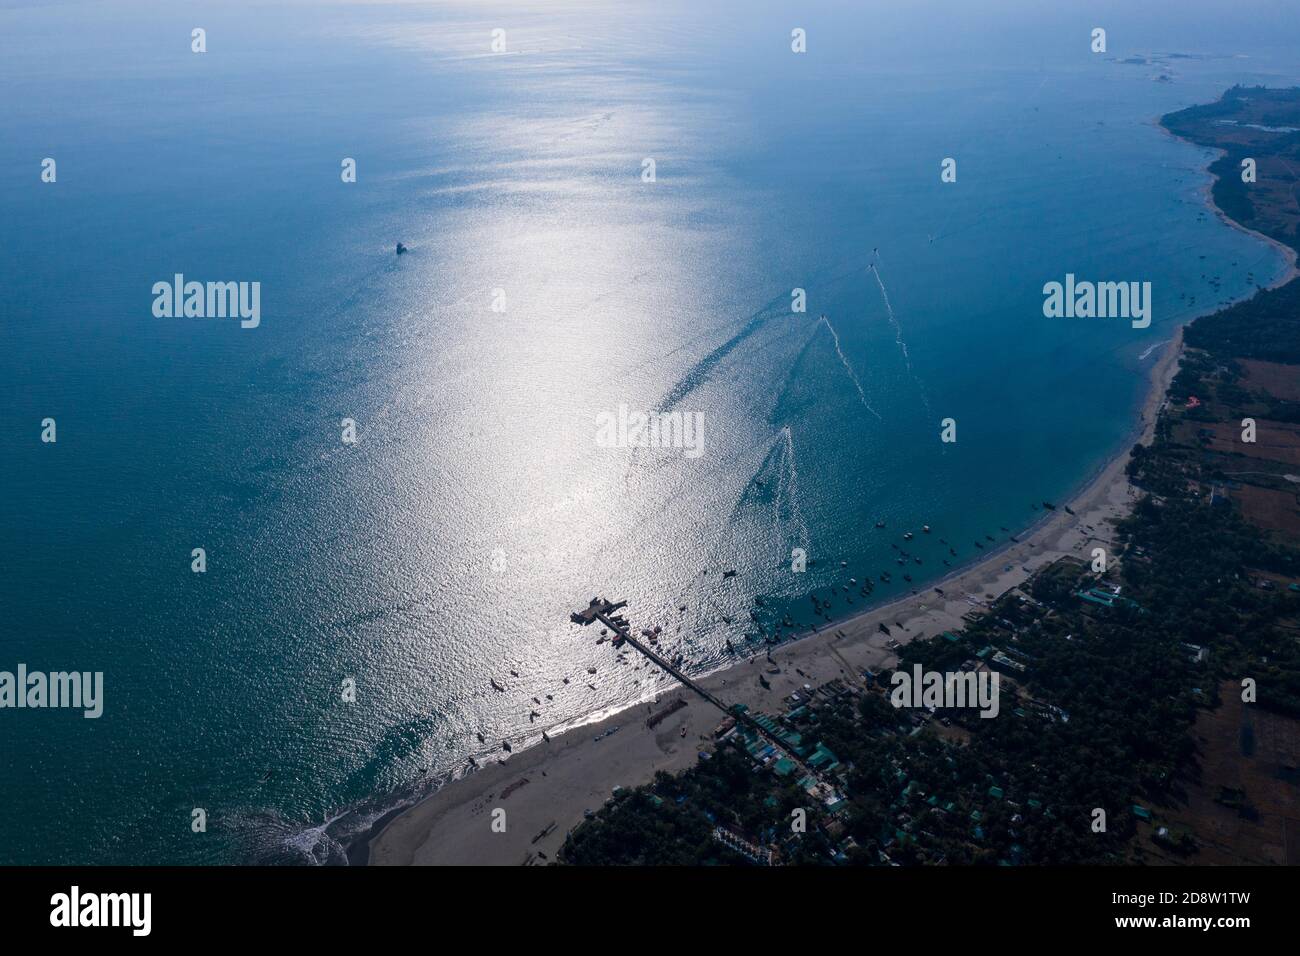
704, 368
1151, 349
788, 483
898, 335
849, 368
893, 320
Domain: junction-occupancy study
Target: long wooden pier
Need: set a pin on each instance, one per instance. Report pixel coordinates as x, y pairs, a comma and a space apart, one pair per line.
606, 612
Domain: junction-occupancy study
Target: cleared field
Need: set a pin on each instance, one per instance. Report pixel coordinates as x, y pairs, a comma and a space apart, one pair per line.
1245, 806
1270, 509
1274, 441
1280, 381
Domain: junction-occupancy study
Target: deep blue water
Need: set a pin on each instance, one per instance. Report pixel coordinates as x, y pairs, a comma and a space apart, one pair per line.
447, 547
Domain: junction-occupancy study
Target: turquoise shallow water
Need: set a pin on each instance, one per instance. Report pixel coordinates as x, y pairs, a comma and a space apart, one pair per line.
447, 547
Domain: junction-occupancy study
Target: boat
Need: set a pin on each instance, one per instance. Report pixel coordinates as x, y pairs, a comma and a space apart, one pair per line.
925, 528
880, 524
729, 574
907, 577
400, 248
545, 737
1049, 506
497, 687
505, 745
482, 739
907, 536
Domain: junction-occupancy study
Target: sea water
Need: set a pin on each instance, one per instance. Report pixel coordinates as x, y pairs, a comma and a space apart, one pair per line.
358, 598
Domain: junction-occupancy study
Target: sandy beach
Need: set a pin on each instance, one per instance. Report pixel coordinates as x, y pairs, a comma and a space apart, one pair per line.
546, 788
1289, 255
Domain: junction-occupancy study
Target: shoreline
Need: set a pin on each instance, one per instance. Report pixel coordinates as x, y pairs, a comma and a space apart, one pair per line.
1289, 254
577, 772
545, 789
